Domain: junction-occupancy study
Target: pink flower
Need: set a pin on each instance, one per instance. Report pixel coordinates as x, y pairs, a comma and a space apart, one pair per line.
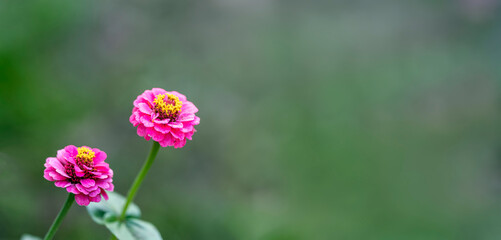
82, 171
167, 117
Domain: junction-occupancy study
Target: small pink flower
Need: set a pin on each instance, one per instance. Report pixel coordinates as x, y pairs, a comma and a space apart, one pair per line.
82, 171
167, 117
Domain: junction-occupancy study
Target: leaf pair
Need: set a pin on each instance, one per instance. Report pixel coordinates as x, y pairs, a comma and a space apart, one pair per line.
108, 213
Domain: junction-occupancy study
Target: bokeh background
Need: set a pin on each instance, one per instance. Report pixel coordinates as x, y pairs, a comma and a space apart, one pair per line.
319, 119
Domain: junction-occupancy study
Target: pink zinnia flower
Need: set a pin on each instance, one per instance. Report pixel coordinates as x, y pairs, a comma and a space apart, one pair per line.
167, 117
82, 171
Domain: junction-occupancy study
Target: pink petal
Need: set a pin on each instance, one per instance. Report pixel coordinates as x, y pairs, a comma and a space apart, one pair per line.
102, 167
175, 124
47, 176
62, 184
179, 143
103, 184
71, 160
143, 107
95, 192
72, 150
95, 199
79, 172
82, 200
188, 135
110, 188
72, 189
104, 194
185, 117
81, 188
196, 121
176, 133
87, 182
141, 130
179, 95
168, 141
85, 167
91, 189
138, 115
148, 96
158, 136
56, 176
132, 119
186, 129
157, 91
189, 107
58, 166
61, 156
146, 122
164, 121
162, 128
100, 157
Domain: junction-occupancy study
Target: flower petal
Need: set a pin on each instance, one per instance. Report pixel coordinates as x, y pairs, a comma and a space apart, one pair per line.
82, 200
132, 119
176, 133
56, 176
163, 121
146, 122
81, 189
95, 199
175, 124
95, 192
196, 121
168, 141
71, 149
162, 128
179, 143
104, 194
79, 172
141, 130
47, 176
100, 156
72, 189
157, 91
58, 166
185, 117
87, 182
179, 95
148, 96
144, 108
189, 107
111, 187
62, 184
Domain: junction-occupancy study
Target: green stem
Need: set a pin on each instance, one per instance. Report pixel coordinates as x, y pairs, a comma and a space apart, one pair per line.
55, 225
140, 177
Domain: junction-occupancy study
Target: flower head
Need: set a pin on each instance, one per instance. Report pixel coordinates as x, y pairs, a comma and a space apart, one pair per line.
167, 117
82, 171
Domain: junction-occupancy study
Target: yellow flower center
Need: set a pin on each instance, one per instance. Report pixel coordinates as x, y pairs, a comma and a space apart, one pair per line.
85, 155
167, 108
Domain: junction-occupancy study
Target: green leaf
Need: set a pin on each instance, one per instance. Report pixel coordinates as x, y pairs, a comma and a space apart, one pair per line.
110, 210
29, 237
134, 229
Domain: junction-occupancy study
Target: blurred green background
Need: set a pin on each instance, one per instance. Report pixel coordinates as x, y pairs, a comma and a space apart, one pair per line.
319, 119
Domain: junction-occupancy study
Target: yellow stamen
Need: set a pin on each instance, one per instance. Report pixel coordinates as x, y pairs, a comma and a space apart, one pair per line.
85, 154
167, 108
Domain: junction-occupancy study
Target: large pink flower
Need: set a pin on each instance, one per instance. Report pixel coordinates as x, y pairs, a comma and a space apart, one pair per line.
82, 171
167, 117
